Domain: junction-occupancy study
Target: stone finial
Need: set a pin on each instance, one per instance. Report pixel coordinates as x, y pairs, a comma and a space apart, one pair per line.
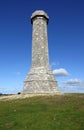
39, 13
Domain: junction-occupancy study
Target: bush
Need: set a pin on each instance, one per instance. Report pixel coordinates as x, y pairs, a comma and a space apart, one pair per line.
1, 94
19, 93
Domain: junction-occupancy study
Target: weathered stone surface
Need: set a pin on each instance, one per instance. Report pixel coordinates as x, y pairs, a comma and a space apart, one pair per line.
40, 78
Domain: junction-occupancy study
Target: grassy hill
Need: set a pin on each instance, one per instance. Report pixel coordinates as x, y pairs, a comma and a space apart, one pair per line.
60, 112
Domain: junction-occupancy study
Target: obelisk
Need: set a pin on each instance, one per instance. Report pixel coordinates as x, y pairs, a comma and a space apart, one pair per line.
40, 79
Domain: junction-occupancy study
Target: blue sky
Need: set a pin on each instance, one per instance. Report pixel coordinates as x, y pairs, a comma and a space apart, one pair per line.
65, 36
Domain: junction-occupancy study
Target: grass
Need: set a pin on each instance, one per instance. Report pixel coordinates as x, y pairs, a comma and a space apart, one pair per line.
61, 112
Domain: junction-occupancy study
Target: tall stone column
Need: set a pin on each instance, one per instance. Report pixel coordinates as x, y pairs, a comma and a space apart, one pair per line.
39, 19
40, 79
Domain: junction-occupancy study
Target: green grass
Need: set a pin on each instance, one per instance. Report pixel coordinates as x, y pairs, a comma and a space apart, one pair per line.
62, 112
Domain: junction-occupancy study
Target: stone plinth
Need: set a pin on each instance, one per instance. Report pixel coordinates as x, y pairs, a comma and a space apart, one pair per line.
40, 79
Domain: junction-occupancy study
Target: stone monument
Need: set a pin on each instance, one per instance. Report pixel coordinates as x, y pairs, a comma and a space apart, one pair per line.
40, 79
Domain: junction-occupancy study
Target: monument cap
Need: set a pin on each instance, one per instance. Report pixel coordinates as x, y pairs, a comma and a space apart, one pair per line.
39, 13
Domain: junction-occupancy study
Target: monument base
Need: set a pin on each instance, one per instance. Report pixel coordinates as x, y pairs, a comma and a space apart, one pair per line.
40, 80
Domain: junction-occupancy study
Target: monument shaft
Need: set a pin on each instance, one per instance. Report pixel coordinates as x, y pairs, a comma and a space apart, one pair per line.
40, 43
40, 79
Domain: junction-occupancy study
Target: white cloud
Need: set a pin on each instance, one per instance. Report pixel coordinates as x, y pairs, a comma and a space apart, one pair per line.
72, 85
18, 73
73, 82
60, 72
54, 64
